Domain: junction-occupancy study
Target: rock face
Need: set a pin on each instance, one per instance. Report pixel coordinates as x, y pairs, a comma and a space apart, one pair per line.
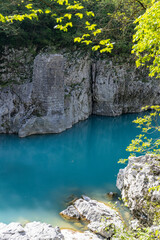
121, 89
58, 96
65, 89
134, 181
61, 94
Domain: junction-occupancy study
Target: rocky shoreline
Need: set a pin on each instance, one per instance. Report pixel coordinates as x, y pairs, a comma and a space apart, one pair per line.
137, 183
104, 222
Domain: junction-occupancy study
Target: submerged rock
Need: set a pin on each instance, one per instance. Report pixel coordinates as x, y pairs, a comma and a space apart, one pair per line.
111, 195
86, 198
135, 180
103, 221
70, 200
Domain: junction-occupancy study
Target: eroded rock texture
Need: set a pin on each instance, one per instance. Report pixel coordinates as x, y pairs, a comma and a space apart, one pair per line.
135, 180
58, 96
65, 89
103, 220
121, 88
32, 231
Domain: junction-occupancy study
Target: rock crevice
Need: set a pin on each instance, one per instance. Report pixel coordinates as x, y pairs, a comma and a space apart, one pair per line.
66, 89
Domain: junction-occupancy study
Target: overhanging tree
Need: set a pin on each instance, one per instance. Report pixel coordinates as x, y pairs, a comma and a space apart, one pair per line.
147, 39
64, 12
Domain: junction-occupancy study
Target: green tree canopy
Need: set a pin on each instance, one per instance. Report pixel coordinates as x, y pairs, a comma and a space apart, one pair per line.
94, 23
64, 13
147, 39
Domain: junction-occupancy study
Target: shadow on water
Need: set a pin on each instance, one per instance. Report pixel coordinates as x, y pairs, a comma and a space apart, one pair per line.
38, 173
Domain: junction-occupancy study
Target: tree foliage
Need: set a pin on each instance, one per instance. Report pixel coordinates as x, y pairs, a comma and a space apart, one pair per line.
64, 13
147, 39
147, 142
96, 24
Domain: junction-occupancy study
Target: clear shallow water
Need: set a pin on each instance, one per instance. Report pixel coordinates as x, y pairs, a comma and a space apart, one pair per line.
38, 174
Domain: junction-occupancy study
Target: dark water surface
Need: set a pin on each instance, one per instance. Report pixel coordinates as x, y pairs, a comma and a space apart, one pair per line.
38, 174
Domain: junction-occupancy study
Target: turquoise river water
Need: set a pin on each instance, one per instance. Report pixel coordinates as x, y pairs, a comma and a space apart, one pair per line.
39, 174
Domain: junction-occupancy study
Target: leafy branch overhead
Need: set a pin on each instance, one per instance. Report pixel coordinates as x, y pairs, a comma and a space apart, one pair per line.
147, 142
99, 30
147, 39
64, 20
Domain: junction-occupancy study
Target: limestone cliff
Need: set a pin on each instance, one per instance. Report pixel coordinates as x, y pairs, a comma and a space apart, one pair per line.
121, 88
138, 182
55, 91
58, 96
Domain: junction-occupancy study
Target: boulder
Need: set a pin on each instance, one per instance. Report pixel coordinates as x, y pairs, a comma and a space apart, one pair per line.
103, 220
94, 211
32, 231
12, 231
70, 213
105, 229
37, 230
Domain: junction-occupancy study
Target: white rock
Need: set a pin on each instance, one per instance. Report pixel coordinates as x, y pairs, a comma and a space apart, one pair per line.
12, 231
73, 235
95, 211
105, 229
134, 224
32, 231
70, 213
42, 231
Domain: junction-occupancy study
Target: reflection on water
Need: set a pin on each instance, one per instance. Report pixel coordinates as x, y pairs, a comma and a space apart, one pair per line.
39, 173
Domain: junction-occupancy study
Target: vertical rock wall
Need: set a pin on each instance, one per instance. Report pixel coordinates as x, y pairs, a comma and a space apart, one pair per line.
121, 89
65, 89
60, 94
